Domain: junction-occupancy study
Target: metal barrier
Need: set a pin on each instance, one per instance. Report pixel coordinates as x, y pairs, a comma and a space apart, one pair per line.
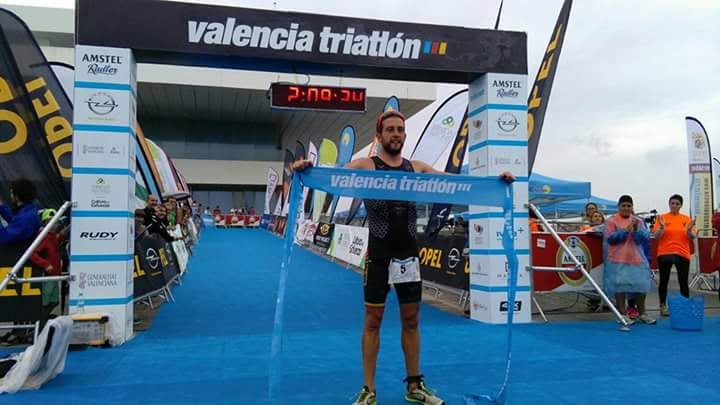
578, 267
12, 275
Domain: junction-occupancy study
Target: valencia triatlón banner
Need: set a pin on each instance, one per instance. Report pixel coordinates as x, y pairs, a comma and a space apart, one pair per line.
701, 181
400, 186
540, 94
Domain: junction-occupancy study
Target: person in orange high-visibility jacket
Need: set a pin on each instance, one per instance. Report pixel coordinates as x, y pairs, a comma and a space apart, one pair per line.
675, 233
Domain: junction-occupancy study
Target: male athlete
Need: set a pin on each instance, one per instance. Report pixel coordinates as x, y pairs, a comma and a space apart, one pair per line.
392, 258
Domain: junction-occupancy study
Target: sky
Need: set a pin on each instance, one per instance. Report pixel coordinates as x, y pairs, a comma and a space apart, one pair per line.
629, 72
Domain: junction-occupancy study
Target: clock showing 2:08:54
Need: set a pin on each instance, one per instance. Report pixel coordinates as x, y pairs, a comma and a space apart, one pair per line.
309, 97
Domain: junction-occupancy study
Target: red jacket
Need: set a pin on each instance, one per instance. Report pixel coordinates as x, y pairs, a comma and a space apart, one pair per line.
48, 254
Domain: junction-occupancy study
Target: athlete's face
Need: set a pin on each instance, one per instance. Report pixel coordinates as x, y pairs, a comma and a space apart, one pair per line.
392, 137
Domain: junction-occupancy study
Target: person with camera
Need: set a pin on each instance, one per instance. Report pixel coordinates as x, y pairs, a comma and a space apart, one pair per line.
675, 233
627, 269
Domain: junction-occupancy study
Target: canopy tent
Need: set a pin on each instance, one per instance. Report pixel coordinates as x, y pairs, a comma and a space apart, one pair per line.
576, 208
547, 190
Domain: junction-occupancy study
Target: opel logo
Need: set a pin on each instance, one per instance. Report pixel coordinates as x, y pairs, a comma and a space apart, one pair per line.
152, 258
453, 258
101, 103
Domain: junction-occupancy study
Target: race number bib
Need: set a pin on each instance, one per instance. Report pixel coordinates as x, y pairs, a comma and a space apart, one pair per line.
404, 271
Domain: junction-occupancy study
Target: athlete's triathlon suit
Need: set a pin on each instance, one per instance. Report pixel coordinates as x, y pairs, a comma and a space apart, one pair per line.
393, 227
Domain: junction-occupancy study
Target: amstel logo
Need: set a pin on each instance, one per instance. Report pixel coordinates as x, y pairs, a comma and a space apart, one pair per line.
582, 253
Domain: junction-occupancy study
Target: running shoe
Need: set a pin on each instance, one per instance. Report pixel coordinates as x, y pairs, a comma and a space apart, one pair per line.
423, 395
365, 397
647, 319
664, 311
633, 313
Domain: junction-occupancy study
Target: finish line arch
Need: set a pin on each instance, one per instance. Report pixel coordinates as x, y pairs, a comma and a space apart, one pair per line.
113, 35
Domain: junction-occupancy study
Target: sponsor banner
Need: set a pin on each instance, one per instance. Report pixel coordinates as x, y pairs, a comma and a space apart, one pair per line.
507, 89
701, 181
102, 107
440, 212
110, 280
280, 223
301, 230
19, 302
323, 235
162, 163
487, 233
492, 160
313, 43
24, 148
146, 163
272, 181
47, 112
100, 236
286, 179
310, 230
492, 307
345, 152
96, 149
95, 64
492, 270
349, 244
441, 129
327, 157
716, 178
587, 248
102, 192
442, 260
506, 124
539, 97
265, 221
312, 156
478, 127
158, 257
401, 186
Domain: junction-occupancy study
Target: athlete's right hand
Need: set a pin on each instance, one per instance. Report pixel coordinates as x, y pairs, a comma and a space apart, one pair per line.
301, 165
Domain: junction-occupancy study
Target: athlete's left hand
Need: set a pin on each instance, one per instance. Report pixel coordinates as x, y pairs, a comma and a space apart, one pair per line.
507, 177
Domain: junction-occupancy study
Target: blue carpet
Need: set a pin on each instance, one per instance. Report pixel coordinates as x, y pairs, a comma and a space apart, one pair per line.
212, 346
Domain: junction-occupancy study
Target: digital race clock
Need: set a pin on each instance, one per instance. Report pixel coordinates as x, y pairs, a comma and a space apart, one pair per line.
326, 98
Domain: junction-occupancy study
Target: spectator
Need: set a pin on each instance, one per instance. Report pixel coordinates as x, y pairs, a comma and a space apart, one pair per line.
534, 222
150, 203
171, 212
217, 211
627, 270
597, 223
589, 209
22, 226
47, 256
22, 219
675, 233
251, 211
157, 224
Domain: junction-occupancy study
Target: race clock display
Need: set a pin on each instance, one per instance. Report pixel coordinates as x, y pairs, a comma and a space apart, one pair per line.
324, 98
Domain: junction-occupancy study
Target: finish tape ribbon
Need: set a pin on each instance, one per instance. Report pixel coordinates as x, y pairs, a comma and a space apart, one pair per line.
397, 186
